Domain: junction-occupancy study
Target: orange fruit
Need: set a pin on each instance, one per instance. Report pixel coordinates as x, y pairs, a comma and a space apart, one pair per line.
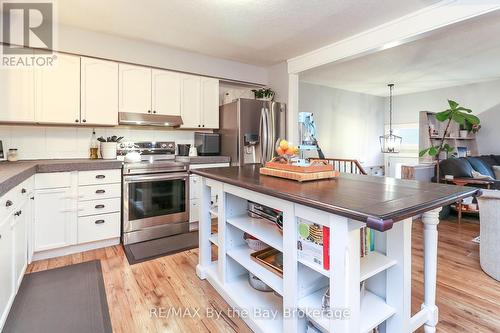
284, 144
280, 151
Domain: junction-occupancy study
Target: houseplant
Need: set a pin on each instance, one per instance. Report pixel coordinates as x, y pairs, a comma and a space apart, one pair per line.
457, 114
265, 94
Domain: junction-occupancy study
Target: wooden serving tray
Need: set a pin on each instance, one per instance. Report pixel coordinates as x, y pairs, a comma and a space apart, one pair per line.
299, 176
268, 258
296, 168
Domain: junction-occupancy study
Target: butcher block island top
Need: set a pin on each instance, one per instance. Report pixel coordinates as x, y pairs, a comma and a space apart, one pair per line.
378, 201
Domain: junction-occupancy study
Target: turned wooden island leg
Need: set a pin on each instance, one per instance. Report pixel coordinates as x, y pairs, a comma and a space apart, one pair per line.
430, 220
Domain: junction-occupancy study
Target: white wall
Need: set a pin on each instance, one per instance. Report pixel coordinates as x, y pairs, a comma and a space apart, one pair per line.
40, 142
349, 124
483, 98
278, 81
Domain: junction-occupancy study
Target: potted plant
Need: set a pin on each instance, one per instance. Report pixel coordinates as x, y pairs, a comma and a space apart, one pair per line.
462, 133
108, 146
264, 94
457, 114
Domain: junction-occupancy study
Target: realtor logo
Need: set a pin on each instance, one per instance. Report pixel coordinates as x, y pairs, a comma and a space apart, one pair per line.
27, 25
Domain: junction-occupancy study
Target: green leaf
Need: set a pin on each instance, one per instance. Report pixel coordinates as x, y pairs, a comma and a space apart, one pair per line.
453, 104
444, 115
458, 117
464, 109
448, 148
423, 152
433, 151
472, 119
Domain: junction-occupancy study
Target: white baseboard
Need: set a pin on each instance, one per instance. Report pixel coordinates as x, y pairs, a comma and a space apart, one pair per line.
64, 251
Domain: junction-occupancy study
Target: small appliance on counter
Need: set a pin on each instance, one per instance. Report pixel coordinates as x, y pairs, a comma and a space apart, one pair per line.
207, 144
183, 149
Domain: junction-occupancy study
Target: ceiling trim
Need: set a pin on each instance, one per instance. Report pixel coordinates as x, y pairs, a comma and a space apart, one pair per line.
400, 31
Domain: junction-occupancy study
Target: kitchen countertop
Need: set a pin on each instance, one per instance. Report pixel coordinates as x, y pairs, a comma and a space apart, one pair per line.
203, 159
14, 173
378, 201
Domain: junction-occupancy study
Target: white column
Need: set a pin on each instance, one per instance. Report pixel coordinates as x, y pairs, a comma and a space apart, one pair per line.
293, 108
430, 220
290, 271
204, 225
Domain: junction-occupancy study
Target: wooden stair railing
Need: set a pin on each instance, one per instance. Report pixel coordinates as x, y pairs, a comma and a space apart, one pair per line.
345, 165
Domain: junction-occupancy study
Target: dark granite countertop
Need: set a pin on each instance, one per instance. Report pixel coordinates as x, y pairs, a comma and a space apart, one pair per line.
14, 173
203, 159
378, 201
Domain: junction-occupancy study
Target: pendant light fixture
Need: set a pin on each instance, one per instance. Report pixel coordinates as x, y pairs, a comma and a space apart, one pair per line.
390, 143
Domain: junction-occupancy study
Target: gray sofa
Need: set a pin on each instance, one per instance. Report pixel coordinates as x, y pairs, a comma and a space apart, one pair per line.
462, 168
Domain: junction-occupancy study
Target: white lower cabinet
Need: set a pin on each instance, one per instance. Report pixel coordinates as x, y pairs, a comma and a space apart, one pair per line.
7, 291
20, 241
98, 227
55, 218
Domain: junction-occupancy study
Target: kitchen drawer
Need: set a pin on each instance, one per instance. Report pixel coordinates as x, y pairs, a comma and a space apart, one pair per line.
96, 192
96, 177
102, 206
98, 227
8, 202
52, 180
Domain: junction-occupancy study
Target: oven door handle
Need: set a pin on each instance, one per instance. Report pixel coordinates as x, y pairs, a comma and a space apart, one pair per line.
143, 178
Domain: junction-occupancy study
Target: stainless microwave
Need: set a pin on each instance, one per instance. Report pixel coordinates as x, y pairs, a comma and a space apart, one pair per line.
207, 144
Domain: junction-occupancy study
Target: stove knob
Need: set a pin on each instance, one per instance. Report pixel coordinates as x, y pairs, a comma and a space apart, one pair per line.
170, 146
163, 145
122, 145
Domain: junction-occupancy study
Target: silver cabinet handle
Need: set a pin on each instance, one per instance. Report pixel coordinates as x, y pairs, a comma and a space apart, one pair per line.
99, 222
99, 206
8, 203
23, 191
100, 191
100, 176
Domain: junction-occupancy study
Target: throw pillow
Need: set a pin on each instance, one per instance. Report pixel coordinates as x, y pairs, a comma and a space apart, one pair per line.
496, 170
479, 175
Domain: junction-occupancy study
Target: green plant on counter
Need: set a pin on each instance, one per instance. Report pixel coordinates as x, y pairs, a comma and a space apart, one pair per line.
457, 114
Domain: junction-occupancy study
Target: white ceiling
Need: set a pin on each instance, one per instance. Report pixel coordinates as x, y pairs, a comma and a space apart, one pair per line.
461, 54
260, 32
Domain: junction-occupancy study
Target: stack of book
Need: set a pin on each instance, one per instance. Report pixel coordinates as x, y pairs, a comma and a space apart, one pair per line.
367, 241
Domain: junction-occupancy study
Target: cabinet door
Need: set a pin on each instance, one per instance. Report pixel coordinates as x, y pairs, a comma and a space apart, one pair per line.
166, 95
17, 95
57, 95
6, 269
20, 247
99, 91
134, 89
190, 101
55, 219
209, 103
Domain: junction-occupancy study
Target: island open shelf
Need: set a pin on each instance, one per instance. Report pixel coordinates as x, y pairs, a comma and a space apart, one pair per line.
373, 290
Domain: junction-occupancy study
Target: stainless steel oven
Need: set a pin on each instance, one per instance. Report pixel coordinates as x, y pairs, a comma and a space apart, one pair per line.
155, 200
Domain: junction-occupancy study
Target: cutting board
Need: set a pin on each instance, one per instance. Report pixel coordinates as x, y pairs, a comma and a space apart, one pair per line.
299, 176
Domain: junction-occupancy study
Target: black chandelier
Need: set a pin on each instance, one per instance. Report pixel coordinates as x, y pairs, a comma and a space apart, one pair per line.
390, 143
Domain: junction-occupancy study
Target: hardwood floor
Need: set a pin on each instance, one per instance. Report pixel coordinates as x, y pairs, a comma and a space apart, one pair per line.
468, 299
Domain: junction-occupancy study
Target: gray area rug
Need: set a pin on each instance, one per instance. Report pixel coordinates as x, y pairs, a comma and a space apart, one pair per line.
62, 300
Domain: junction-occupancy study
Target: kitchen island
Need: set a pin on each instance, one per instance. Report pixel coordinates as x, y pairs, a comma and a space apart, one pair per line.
342, 207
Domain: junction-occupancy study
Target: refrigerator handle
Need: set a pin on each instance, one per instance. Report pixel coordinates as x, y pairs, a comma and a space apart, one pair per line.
262, 130
270, 134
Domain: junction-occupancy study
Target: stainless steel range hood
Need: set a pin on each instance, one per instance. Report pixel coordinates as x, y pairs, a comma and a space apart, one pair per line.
146, 119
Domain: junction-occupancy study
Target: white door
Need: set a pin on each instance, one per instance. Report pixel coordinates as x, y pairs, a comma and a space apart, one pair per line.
166, 95
134, 89
6, 269
57, 94
20, 247
191, 101
17, 94
209, 103
99, 91
55, 219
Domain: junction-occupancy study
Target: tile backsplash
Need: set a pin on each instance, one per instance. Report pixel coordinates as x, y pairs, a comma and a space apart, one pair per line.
40, 142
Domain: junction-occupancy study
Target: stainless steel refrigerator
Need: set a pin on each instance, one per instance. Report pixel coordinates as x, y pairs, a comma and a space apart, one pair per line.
250, 130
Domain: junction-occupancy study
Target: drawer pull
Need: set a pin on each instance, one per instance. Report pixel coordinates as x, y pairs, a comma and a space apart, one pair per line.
8, 203
99, 222
18, 213
23, 191
99, 206
100, 176
100, 191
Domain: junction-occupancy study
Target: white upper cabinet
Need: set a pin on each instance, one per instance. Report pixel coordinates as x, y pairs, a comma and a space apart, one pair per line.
99, 92
17, 95
191, 101
134, 89
209, 103
166, 95
57, 94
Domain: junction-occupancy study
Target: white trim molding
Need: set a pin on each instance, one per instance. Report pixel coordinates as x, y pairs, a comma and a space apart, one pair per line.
400, 31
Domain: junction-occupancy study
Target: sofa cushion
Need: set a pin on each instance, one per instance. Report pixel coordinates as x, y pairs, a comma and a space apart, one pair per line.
496, 158
457, 167
496, 170
489, 159
480, 166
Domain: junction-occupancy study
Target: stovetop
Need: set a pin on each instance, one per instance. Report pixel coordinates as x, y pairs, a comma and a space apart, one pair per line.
156, 157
